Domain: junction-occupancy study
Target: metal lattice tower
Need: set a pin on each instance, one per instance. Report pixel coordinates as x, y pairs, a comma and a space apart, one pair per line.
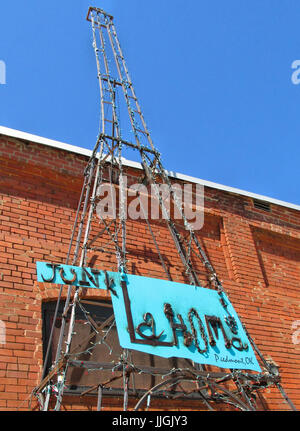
106, 165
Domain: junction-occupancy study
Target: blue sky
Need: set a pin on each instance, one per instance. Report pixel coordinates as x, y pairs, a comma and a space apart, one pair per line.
213, 78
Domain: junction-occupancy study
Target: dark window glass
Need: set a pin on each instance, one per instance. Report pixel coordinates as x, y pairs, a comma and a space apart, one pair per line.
100, 358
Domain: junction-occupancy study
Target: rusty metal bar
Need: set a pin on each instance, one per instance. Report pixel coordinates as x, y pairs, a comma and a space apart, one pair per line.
97, 10
101, 384
146, 369
87, 195
61, 287
99, 401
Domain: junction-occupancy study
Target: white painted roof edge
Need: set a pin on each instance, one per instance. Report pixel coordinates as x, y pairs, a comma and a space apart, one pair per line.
85, 152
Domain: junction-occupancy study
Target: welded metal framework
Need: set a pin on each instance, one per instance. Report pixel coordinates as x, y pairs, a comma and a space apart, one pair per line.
233, 387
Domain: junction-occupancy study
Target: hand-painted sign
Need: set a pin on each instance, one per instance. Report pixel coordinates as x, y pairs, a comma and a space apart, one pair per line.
166, 318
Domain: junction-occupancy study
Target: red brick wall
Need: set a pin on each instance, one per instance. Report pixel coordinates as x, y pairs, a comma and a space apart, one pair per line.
256, 255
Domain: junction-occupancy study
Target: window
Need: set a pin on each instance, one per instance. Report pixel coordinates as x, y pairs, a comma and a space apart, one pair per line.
262, 205
92, 361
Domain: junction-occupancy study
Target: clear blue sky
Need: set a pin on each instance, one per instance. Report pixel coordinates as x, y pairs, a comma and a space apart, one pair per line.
213, 78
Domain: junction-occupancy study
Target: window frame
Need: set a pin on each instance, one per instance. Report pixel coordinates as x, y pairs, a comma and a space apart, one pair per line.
48, 309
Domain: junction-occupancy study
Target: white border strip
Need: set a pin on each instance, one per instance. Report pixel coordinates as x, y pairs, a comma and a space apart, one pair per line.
85, 152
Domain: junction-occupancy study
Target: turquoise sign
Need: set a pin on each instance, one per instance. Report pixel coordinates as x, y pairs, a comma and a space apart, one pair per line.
165, 318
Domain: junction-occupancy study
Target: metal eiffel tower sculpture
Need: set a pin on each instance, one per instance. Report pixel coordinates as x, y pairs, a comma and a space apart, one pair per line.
234, 387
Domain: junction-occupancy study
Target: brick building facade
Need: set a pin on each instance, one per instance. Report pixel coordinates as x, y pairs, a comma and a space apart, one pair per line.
252, 241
